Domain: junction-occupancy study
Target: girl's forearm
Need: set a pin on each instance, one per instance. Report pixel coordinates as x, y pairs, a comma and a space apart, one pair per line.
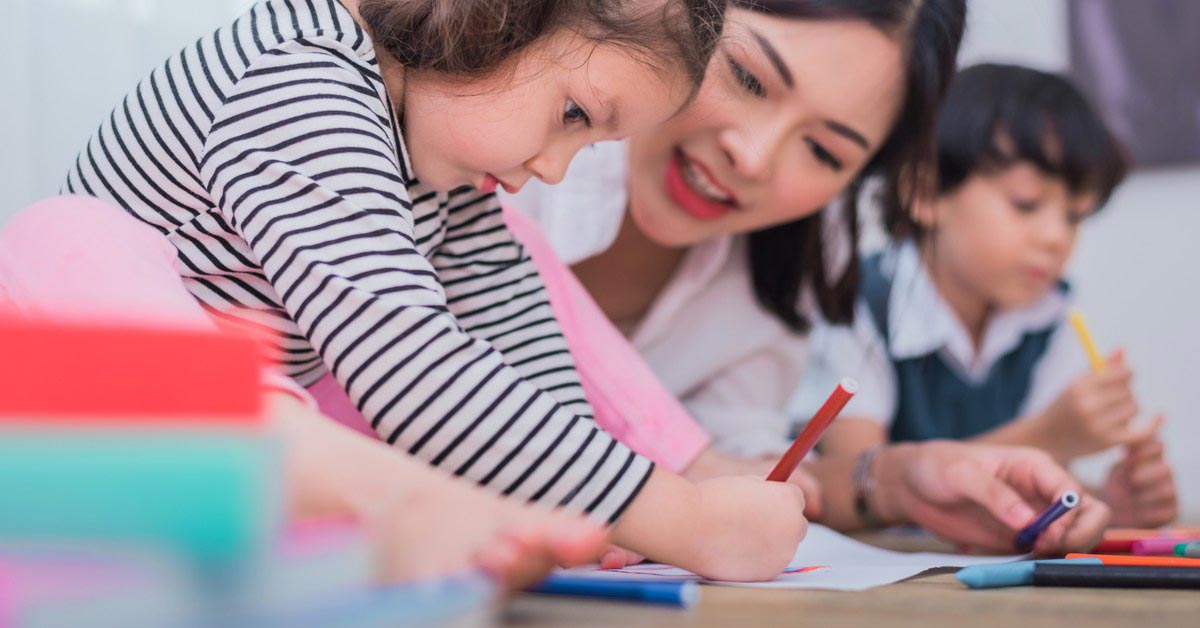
661, 521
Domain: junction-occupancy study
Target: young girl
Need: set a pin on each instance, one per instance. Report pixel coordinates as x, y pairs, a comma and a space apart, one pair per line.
718, 254
961, 328
274, 155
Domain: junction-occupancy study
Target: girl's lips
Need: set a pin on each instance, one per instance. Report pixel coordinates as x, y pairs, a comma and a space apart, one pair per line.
489, 184
689, 200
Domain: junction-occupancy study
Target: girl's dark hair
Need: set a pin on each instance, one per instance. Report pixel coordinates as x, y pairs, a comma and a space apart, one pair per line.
785, 258
472, 38
998, 115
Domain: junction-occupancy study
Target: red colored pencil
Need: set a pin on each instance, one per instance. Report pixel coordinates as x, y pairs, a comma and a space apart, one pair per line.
812, 432
1115, 546
1142, 561
1120, 540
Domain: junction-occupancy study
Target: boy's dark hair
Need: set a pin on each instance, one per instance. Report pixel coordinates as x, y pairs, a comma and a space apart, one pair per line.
785, 258
472, 38
997, 115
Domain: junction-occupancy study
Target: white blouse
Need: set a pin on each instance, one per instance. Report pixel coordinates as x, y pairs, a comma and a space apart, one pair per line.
731, 362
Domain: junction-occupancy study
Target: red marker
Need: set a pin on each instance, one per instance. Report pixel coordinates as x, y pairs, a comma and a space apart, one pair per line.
812, 432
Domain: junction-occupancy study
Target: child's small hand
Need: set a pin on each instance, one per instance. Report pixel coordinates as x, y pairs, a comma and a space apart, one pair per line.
1093, 413
747, 529
712, 464
812, 492
618, 558
1141, 488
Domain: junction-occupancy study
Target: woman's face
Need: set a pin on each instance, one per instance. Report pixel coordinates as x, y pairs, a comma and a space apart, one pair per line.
790, 112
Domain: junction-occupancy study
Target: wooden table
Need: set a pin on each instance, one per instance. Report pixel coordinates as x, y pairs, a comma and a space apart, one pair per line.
932, 601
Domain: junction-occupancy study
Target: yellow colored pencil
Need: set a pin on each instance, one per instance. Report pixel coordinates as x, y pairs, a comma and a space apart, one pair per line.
1085, 339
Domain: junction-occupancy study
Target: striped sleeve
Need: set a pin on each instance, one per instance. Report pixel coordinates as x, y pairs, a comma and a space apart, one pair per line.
300, 161
497, 294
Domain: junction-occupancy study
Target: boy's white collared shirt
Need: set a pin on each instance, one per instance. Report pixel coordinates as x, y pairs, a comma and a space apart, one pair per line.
920, 322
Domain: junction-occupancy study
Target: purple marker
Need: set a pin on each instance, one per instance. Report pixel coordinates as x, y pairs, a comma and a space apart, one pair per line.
1029, 535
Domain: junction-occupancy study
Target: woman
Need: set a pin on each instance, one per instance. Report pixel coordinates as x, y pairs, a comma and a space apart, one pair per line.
722, 254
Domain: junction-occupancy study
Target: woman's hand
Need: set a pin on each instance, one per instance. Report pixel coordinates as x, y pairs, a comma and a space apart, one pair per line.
981, 496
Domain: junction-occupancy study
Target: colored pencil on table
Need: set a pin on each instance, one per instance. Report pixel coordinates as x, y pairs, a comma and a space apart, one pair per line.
1124, 577
1015, 574
1164, 546
1141, 561
812, 432
1115, 546
1134, 534
1120, 540
682, 594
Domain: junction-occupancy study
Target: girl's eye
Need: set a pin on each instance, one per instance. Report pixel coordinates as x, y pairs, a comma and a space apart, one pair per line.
823, 155
1025, 206
573, 113
748, 81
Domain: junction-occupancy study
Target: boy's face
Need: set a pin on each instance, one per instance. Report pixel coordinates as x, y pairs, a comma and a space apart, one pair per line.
529, 120
1005, 237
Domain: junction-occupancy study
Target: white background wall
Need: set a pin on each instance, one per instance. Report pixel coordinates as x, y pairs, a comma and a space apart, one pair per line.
64, 64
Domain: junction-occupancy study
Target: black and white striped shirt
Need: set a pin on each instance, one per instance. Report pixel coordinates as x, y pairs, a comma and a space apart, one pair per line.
267, 153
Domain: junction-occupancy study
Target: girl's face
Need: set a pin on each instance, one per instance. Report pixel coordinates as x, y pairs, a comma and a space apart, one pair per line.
790, 112
1005, 237
530, 119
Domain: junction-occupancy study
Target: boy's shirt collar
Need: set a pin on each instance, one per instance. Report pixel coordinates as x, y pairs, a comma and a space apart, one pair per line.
920, 321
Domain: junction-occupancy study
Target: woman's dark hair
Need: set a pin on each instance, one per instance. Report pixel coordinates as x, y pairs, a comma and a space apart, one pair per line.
998, 115
785, 258
473, 38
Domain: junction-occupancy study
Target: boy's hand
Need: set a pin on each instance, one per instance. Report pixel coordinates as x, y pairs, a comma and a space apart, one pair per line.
1093, 413
1141, 488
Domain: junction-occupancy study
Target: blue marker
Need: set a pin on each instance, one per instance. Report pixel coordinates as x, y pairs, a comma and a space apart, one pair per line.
1027, 537
681, 593
1010, 574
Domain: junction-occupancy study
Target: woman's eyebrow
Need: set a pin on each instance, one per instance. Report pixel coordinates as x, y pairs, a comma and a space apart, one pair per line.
773, 56
848, 133
786, 75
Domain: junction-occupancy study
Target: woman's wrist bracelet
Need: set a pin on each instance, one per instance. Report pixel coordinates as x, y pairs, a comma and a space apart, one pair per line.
864, 489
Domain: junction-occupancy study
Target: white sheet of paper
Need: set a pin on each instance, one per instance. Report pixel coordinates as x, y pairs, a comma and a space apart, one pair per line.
844, 565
